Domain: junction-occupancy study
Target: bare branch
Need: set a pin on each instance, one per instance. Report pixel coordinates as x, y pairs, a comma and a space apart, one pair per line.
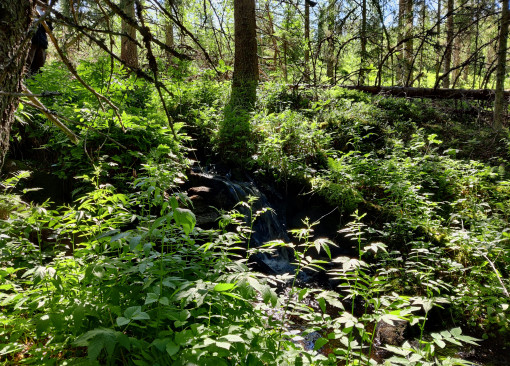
37, 104
40, 95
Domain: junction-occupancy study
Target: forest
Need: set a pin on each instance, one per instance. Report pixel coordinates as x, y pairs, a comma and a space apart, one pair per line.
241, 182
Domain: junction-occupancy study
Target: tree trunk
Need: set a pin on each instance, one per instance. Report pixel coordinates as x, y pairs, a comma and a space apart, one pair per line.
129, 50
363, 40
246, 70
330, 50
449, 44
409, 49
307, 42
400, 39
500, 103
285, 43
15, 21
169, 32
438, 44
276, 52
423, 20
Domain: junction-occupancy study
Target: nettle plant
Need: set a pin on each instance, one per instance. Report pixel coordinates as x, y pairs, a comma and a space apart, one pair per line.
341, 326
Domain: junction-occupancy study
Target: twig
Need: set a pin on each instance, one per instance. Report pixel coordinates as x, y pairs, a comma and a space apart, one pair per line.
505, 291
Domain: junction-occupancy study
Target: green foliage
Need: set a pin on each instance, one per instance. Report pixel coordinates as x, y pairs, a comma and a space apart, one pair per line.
123, 274
290, 144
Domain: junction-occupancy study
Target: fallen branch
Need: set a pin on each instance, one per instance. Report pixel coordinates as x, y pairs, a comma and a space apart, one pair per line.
498, 276
24, 95
37, 104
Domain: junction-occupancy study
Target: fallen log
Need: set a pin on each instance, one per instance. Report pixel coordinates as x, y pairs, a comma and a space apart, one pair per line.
440, 93
408, 92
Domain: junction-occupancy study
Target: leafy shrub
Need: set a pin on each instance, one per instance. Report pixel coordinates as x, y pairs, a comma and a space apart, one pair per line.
290, 145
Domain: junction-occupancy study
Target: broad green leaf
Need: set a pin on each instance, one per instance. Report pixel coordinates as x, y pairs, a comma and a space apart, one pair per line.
133, 243
225, 345
185, 218
151, 298
232, 338
121, 321
172, 348
319, 343
440, 343
136, 313
222, 287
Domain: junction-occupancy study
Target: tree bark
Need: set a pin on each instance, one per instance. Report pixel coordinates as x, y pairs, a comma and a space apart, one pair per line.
169, 32
330, 50
363, 40
400, 55
438, 45
409, 49
15, 21
276, 51
449, 44
500, 102
246, 71
307, 42
129, 50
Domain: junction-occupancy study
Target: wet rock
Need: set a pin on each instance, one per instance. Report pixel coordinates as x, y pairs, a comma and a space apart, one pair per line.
393, 334
210, 194
389, 334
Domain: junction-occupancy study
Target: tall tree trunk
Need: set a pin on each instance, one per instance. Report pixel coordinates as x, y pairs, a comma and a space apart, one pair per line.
15, 20
400, 40
169, 31
307, 42
500, 104
449, 44
271, 31
129, 50
330, 50
423, 15
409, 49
286, 27
438, 40
363, 40
246, 70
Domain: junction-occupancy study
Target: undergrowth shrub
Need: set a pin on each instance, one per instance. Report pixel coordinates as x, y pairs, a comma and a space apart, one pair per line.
290, 145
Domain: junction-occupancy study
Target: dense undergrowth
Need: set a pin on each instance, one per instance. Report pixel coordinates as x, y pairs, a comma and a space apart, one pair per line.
121, 274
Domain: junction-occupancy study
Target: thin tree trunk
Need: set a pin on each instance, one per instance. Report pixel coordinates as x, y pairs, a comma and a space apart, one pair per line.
307, 42
409, 49
129, 50
169, 32
423, 20
276, 52
438, 40
449, 44
15, 21
363, 39
500, 104
400, 38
